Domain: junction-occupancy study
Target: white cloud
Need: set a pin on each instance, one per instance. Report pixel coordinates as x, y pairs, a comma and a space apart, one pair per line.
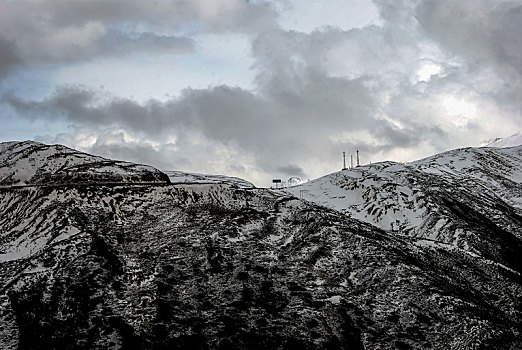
307, 16
427, 71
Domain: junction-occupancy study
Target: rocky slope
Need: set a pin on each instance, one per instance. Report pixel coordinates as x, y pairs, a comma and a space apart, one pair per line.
34, 163
180, 177
217, 266
468, 199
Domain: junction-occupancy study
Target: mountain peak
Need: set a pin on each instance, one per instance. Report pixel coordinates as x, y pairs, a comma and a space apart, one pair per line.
509, 141
28, 163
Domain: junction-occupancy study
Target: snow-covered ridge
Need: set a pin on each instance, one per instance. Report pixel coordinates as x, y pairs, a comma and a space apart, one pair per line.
34, 163
431, 198
194, 178
484, 163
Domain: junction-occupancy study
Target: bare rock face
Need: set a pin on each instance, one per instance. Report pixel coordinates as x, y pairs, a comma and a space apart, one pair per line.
218, 266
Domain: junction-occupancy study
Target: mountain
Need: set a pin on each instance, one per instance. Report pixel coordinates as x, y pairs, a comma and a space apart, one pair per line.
467, 199
198, 265
34, 163
179, 177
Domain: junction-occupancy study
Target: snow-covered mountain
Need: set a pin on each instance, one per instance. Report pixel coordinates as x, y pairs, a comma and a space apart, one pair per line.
510, 141
462, 199
34, 163
158, 265
183, 177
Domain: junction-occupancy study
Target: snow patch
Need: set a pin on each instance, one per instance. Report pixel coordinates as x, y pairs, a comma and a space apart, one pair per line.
336, 299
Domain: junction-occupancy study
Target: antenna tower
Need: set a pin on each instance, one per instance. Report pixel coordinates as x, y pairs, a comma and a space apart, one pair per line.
351, 161
344, 160
358, 158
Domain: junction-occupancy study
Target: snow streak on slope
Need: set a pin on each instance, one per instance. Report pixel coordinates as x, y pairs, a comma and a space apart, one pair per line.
33, 163
492, 170
370, 194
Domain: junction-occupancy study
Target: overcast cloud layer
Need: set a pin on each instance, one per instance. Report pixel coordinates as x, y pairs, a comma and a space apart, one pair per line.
397, 80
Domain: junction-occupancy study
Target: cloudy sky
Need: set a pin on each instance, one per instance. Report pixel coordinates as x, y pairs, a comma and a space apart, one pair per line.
260, 89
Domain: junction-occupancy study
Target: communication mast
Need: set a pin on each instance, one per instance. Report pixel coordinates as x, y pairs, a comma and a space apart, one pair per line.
351, 161
358, 158
344, 160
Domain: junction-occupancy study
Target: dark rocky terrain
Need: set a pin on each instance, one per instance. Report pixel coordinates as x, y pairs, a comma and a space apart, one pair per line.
144, 264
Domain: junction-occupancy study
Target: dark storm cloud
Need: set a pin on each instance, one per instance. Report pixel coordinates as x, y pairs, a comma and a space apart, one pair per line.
222, 113
409, 136
291, 170
82, 106
485, 33
118, 43
81, 44
8, 57
64, 32
212, 14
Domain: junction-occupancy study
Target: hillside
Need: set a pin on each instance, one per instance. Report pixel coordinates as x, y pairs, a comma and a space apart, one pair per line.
467, 199
34, 163
180, 177
219, 266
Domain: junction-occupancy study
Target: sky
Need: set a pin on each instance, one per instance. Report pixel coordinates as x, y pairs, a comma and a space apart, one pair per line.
260, 89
